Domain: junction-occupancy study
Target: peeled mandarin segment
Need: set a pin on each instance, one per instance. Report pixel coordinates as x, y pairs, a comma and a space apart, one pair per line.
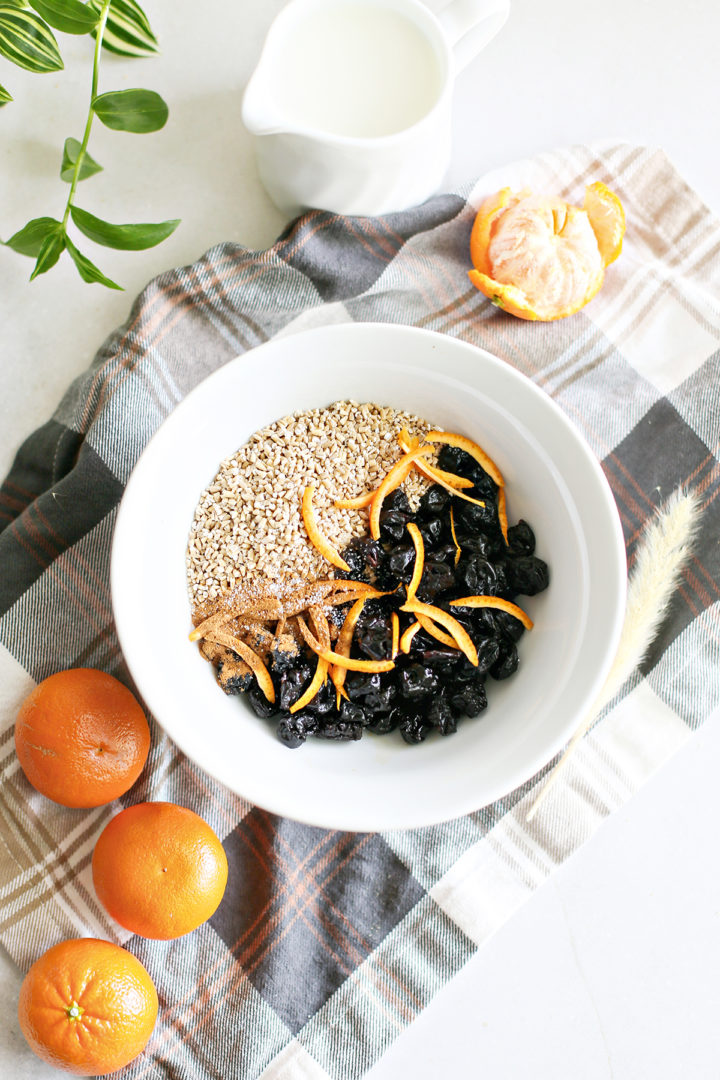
495, 602
436, 614
419, 546
317, 539
607, 218
461, 442
486, 216
313, 689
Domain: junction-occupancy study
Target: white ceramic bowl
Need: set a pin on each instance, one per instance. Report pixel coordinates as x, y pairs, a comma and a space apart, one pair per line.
553, 481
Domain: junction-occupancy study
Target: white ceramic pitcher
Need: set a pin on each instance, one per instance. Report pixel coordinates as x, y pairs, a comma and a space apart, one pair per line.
350, 104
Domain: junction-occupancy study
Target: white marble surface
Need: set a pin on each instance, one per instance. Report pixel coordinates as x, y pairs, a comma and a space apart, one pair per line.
610, 970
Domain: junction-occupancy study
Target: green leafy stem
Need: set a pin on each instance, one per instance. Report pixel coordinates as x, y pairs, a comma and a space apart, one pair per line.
121, 27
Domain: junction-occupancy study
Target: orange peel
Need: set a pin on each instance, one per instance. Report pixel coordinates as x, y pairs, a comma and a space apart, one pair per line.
395, 621
392, 480
435, 475
495, 602
251, 658
437, 615
607, 218
461, 442
344, 642
502, 513
349, 662
313, 689
319, 541
434, 631
359, 502
431, 472
407, 636
458, 549
419, 545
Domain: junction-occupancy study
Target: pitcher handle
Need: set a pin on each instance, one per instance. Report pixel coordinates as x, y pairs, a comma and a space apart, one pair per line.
470, 25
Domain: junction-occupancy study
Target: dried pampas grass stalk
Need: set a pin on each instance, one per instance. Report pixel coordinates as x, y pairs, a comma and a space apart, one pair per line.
663, 551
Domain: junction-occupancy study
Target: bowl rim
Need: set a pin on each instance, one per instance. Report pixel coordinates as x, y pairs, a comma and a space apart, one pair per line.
343, 817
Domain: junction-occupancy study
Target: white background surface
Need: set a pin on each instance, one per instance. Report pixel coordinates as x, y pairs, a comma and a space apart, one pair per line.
611, 969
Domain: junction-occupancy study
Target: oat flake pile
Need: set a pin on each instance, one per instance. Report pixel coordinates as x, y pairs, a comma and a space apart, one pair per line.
248, 527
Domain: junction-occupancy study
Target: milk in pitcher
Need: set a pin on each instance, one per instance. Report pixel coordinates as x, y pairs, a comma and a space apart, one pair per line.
357, 69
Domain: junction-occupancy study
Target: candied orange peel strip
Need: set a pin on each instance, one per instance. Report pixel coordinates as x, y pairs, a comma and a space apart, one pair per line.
392, 480
314, 688
437, 615
359, 502
419, 545
451, 438
348, 662
251, 658
431, 472
395, 620
434, 631
344, 643
319, 541
502, 514
458, 549
408, 635
495, 602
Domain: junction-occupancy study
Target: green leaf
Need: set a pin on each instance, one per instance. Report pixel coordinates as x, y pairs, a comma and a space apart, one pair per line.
50, 251
127, 30
87, 270
30, 239
27, 41
70, 16
140, 111
5, 96
125, 237
88, 166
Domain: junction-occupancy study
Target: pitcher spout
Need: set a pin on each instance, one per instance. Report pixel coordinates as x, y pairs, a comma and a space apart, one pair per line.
259, 113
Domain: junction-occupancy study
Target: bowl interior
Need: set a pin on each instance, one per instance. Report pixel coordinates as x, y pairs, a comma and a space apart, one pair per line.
553, 482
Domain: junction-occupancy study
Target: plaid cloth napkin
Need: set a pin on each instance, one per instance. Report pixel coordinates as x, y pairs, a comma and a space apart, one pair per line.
328, 944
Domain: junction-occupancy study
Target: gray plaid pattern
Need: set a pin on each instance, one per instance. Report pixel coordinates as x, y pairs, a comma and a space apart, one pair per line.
328, 944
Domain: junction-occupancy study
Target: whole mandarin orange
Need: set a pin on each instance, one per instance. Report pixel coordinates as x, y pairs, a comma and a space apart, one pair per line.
81, 737
159, 870
87, 1006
